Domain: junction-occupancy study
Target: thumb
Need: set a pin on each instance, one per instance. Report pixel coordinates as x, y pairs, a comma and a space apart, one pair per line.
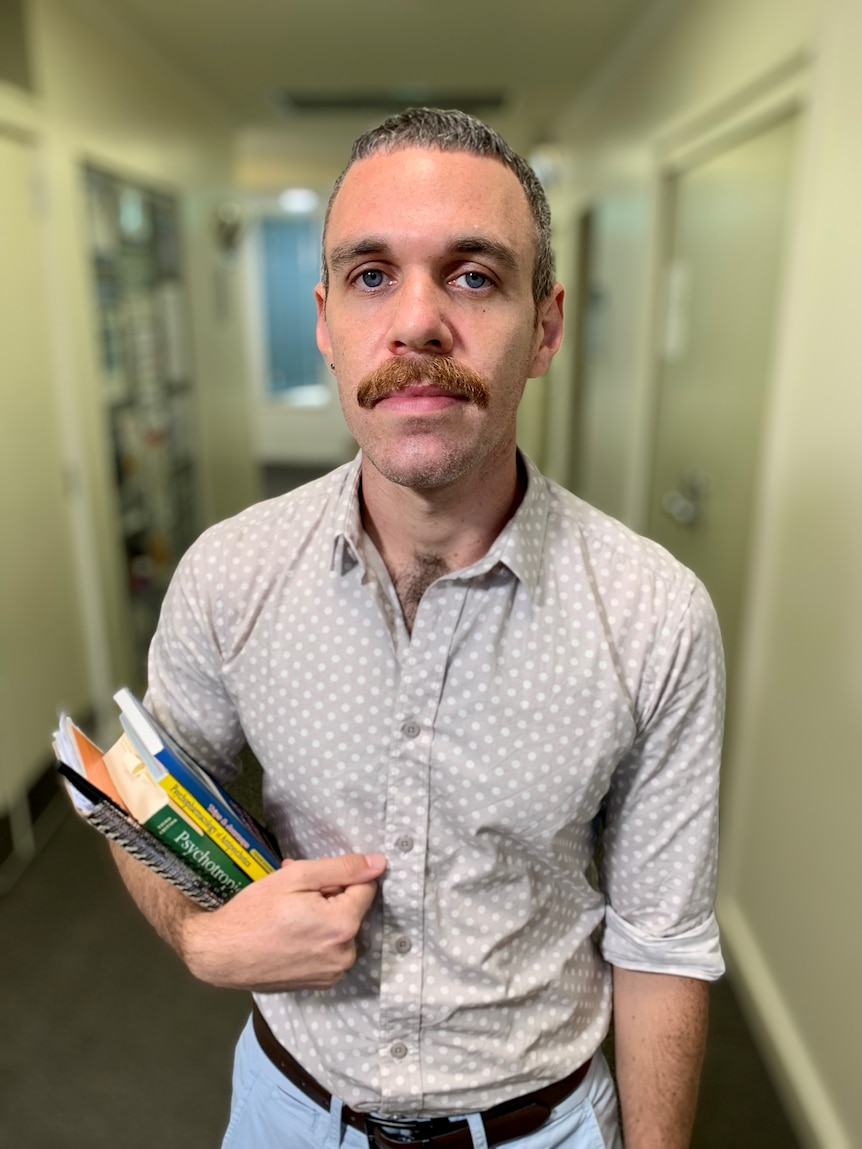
328, 873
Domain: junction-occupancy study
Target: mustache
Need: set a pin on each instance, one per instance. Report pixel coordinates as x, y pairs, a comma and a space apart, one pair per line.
435, 370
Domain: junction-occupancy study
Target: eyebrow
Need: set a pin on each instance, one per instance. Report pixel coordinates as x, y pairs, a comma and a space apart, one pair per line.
483, 245
345, 253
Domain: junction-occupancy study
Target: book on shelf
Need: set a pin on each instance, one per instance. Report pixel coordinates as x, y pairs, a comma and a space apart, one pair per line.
155, 801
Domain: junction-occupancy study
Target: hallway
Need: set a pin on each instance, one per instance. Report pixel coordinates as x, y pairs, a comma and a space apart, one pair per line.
131, 142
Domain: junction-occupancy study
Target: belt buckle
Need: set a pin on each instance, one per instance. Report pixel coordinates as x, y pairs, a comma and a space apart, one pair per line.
395, 1131
386, 1132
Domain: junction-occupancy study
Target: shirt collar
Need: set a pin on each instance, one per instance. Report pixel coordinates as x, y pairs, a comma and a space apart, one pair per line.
347, 523
519, 545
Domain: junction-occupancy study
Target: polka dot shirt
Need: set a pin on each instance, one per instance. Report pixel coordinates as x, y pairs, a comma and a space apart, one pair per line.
565, 688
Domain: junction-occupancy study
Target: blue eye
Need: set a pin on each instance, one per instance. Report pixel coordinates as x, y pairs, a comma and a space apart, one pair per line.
474, 279
373, 277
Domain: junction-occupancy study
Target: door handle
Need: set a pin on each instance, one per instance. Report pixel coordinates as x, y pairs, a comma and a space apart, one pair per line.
684, 511
685, 506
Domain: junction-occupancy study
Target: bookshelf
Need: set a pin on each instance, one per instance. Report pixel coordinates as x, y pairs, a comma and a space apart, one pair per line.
146, 384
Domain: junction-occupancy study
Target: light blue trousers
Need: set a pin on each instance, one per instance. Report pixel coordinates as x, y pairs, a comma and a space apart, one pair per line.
268, 1112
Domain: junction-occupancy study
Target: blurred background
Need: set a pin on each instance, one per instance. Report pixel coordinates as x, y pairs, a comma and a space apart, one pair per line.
164, 165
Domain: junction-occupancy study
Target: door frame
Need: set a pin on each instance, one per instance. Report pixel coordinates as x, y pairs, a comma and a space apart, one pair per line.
782, 91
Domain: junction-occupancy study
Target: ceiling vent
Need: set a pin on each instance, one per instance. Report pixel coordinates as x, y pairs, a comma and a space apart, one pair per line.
289, 102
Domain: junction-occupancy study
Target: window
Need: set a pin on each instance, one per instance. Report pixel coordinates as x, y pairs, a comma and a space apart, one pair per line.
290, 267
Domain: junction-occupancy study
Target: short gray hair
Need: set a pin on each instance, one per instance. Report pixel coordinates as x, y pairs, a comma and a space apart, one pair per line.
456, 131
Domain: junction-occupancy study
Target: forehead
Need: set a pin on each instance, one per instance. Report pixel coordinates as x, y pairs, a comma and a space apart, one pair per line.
426, 194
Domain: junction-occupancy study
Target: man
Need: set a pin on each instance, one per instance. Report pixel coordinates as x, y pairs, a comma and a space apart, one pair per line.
456, 677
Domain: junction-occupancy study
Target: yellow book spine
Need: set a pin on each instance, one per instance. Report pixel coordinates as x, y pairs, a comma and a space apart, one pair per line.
251, 863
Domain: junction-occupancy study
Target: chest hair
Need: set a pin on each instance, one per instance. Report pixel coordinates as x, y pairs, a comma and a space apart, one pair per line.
413, 580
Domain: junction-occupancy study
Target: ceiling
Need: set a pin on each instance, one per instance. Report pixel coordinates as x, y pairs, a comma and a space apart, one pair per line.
532, 52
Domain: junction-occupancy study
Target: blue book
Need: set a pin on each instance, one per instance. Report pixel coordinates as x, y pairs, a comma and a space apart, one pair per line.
220, 815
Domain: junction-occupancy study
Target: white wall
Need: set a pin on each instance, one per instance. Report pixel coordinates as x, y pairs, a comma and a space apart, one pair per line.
789, 900
791, 896
42, 651
102, 96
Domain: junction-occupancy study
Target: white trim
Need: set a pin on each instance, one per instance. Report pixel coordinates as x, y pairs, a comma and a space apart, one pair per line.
775, 94
89, 578
796, 1075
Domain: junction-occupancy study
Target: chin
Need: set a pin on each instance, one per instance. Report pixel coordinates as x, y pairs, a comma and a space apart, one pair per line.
427, 473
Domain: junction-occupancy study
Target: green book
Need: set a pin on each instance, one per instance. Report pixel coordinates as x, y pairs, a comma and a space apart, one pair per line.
198, 851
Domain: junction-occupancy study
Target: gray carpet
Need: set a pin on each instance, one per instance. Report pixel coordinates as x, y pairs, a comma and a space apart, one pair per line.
108, 1042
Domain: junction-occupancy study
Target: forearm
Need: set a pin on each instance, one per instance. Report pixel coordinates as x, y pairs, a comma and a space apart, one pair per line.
163, 905
660, 1024
184, 925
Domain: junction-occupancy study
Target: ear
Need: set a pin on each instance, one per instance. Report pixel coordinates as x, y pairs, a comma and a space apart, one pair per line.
549, 332
324, 343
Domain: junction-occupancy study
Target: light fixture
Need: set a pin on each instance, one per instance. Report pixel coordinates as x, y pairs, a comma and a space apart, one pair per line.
298, 201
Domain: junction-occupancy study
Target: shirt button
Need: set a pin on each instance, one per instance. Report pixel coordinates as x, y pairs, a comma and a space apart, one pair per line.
404, 843
399, 1050
411, 729
403, 945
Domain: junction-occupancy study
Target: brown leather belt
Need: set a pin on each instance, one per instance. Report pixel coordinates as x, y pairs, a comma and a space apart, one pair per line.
503, 1122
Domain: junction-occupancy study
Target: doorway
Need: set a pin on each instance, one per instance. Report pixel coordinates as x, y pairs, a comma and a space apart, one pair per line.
727, 218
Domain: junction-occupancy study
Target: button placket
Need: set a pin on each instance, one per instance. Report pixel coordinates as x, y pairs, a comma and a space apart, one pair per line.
423, 671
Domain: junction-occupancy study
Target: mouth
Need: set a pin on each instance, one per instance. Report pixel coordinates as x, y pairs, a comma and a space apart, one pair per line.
420, 398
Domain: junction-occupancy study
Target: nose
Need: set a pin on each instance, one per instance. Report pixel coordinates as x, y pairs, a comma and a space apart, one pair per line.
419, 321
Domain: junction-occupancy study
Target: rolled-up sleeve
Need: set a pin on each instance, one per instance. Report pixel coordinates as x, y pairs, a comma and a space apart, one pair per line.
659, 863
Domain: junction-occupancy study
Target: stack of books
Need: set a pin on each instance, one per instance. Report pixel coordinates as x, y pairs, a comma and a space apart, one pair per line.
155, 801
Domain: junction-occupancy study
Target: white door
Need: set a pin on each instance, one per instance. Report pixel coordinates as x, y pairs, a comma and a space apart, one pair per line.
42, 662
729, 216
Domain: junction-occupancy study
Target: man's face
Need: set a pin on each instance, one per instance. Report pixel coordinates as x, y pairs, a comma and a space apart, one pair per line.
430, 258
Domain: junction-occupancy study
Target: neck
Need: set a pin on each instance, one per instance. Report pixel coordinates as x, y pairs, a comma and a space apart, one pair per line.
423, 534
458, 523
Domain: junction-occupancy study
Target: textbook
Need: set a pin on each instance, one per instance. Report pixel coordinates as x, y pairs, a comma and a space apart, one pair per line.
192, 788
183, 830
109, 819
148, 803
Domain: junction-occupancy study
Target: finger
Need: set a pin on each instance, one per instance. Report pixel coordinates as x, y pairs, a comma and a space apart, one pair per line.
360, 897
326, 891
328, 873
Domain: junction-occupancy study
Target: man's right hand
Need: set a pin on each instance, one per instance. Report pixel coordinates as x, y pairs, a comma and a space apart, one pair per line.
294, 929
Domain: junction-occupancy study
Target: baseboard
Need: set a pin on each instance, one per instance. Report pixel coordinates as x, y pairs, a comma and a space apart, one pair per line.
7, 842
28, 825
797, 1078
